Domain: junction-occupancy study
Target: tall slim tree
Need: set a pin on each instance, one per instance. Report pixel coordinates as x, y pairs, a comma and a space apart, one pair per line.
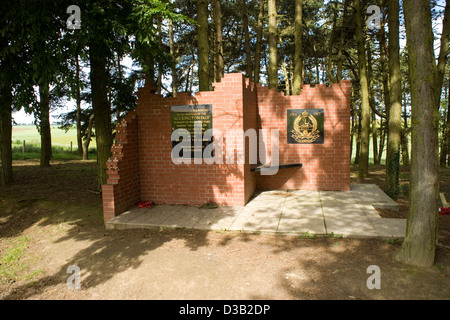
203, 45
259, 29
297, 80
273, 51
44, 124
395, 103
78, 103
248, 56
219, 40
340, 57
363, 169
419, 245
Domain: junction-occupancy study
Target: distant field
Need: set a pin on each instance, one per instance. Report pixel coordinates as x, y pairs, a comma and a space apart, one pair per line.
59, 137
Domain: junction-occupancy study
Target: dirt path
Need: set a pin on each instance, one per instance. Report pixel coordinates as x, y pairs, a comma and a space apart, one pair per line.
49, 233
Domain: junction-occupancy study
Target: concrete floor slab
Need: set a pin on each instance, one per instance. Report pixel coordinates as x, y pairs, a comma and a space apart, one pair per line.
372, 194
350, 214
312, 225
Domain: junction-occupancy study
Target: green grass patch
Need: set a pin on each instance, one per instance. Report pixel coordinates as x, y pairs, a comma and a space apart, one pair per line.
33, 151
13, 266
61, 141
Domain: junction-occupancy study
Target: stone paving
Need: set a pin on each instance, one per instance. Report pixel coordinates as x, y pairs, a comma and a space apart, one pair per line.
290, 212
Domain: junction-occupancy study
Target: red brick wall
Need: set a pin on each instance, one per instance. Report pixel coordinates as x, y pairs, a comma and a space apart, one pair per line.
123, 186
165, 182
325, 166
141, 167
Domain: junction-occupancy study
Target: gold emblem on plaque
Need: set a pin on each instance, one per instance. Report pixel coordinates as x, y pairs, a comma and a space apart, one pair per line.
305, 128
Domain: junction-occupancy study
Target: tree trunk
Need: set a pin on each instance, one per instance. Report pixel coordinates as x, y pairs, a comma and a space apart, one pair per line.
87, 140
219, 42
6, 134
419, 245
44, 125
395, 102
259, 29
203, 45
78, 101
273, 58
358, 139
102, 109
363, 169
173, 65
405, 140
404, 147
445, 140
331, 44
376, 158
286, 78
382, 139
298, 60
248, 56
372, 105
444, 50
340, 57
316, 61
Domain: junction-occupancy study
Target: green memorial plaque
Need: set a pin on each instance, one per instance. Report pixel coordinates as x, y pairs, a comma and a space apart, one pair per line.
196, 119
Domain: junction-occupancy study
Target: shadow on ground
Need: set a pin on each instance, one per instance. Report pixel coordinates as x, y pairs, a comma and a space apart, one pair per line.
172, 263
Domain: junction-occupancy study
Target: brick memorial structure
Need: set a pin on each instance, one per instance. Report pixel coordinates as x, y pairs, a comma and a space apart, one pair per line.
305, 139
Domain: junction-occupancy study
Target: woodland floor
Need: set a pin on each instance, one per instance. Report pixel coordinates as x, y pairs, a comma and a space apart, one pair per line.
51, 218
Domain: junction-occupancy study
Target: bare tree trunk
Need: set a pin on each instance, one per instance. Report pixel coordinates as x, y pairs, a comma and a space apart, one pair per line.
259, 29
316, 62
395, 110
382, 139
203, 45
404, 147
405, 140
286, 77
444, 50
160, 69
219, 41
87, 141
372, 105
340, 57
6, 133
173, 66
273, 58
298, 60
248, 56
331, 44
364, 90
358, 139
419, 245
44, 125
101, 107
78, 101
446, 138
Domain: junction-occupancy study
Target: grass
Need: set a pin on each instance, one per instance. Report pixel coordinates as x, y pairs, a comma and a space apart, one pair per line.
60, 143
12, 267
59, 137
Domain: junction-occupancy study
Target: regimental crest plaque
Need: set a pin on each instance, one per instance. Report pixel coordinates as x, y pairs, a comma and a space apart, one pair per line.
305, 126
